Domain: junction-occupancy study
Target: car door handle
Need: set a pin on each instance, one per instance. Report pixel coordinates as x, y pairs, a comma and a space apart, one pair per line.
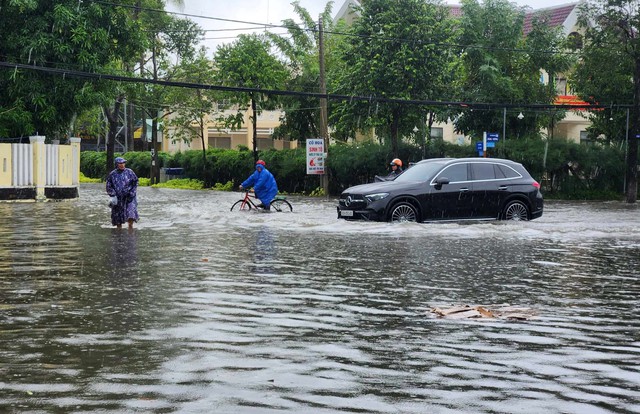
464, 190
503, 187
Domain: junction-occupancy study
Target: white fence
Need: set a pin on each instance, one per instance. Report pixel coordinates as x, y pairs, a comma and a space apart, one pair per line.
39, 171
22, 165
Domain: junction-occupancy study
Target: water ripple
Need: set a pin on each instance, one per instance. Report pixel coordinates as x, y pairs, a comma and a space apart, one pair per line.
202, 310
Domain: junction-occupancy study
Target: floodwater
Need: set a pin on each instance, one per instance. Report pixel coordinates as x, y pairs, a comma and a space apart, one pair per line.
203, 310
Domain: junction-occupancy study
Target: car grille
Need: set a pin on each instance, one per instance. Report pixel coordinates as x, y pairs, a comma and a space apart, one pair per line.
352, 201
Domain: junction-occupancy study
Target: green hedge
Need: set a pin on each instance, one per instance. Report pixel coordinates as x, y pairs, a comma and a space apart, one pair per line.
94, 164
569, 170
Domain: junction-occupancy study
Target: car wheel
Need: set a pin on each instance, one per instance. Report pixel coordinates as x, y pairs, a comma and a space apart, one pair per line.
516, 211
403, 212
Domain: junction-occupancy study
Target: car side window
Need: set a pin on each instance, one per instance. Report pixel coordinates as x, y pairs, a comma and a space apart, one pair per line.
507, 171
456, 172
483, 171
498, 171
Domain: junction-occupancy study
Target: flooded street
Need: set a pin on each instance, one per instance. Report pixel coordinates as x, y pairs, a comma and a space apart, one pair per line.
203, 310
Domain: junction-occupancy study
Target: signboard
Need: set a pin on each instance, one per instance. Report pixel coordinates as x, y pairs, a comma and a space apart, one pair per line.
489, 140
571, 100
315, 156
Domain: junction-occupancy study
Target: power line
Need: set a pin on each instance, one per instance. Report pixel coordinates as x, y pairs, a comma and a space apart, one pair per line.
335, 97
314, 30
185, 14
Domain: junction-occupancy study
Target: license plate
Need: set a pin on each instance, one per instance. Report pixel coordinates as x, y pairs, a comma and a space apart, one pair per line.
346, 213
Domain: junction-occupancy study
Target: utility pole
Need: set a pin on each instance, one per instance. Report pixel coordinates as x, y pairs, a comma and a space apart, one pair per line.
504, 131
324, 130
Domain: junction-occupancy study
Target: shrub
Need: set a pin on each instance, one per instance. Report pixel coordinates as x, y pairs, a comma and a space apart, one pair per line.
568, 170
228, 186
182, 183
93, 164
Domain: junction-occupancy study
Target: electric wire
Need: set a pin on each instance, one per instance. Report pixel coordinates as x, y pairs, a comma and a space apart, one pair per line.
329, 32
329, 96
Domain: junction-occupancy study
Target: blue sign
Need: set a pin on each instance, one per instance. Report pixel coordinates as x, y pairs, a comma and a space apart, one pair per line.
479, 146
492, 136
491, 144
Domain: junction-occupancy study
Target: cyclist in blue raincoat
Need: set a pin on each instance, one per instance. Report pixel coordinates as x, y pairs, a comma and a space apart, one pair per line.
263, 184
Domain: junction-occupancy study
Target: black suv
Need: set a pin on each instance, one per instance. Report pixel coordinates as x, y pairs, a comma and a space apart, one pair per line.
448, 189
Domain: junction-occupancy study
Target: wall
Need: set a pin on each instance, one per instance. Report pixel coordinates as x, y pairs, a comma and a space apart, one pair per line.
39, 171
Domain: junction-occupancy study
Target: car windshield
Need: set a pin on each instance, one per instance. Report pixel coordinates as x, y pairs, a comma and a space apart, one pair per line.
421, 172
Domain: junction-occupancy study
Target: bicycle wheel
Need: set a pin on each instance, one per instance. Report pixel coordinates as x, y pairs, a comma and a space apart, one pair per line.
241, 205
281, 206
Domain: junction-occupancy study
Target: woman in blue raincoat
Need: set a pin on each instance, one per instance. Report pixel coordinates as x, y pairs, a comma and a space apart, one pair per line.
263, 184
122, 186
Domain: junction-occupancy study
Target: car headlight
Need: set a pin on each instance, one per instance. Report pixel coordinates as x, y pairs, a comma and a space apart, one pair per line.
375, 197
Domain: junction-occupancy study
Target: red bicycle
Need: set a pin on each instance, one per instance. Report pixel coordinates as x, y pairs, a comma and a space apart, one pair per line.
279, 204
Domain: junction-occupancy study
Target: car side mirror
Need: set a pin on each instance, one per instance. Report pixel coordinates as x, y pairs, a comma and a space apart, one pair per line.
440, 181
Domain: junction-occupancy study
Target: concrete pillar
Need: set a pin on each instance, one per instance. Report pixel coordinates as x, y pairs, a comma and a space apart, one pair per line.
6, 170
75, 160
39, 165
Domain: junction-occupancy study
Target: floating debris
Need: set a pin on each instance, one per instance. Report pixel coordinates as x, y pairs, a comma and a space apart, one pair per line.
503, 311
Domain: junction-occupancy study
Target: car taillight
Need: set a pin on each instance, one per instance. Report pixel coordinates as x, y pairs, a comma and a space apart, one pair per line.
536, 184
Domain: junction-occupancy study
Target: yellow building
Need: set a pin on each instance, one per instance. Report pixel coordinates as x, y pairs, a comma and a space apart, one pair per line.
218, 137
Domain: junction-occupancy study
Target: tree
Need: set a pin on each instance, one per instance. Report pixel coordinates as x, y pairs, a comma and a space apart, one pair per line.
192, 108
501, 65
609, 71
396, 50
248, 63
300, 49
65, 34
171, 41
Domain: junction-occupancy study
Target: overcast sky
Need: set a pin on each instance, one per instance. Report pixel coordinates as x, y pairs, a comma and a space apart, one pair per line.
270, 12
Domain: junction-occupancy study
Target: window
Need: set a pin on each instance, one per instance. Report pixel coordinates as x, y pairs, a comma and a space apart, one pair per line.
456, 172
220, 142
584, 137
575, 40
437, 134
264, 143
483, 171
561, 86
506, 172
500, 175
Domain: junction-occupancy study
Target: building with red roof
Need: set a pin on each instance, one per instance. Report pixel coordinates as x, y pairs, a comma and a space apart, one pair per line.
565, 16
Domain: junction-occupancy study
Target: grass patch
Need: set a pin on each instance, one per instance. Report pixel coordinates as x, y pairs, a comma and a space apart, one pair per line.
318, 192
182, 183
85, 179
